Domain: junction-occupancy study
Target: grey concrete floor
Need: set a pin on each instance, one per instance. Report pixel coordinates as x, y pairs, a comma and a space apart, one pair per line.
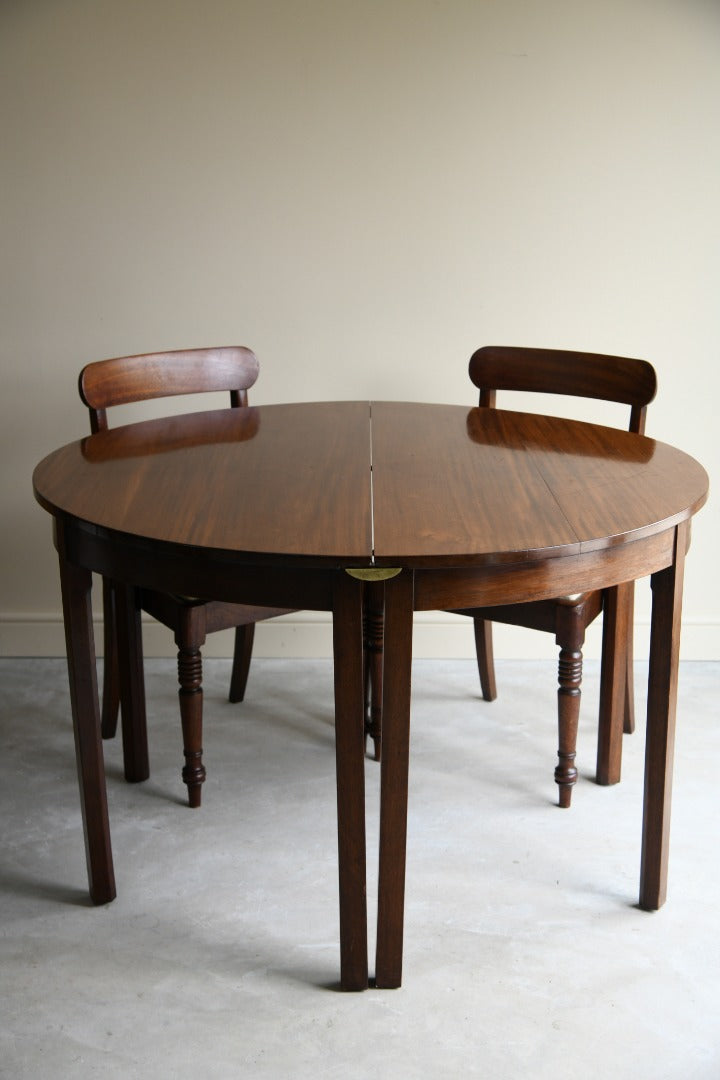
525, 952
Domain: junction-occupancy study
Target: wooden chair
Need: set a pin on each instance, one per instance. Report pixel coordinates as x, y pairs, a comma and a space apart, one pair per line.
551, 371
120, 381
588, 375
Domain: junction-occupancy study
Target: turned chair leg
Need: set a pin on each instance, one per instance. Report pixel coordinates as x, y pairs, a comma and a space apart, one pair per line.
570, 637
485, 661
244, 636
189, 638
373, 644
111, 668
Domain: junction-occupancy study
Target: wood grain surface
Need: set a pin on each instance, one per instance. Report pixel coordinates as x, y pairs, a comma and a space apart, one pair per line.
450, 486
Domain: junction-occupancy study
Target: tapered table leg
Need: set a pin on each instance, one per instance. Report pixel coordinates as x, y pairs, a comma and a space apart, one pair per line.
394, 779
350, 769
76, 584
667, 588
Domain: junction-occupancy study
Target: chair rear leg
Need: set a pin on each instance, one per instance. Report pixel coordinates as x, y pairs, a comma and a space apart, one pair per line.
244, 637
485, 661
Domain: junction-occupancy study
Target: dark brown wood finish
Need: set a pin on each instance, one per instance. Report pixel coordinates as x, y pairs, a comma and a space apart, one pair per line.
443, 478
131, 686
309, 472
667, 586
271, 483
399, 604
373, 623
440, 514
76, 586
458, 487
125, 379
121, 381
349, 756
463, 520
544, 442
616, 623
558, 373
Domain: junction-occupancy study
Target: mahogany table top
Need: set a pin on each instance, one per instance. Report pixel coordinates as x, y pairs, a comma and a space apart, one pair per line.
384, 483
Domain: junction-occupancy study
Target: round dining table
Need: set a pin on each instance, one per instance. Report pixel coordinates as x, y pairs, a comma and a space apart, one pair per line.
301, 505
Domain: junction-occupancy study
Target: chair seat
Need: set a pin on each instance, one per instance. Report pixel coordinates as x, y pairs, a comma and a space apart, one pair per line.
541, 614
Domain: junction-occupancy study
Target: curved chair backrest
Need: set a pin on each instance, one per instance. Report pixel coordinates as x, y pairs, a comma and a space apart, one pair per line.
555, 371
125, 379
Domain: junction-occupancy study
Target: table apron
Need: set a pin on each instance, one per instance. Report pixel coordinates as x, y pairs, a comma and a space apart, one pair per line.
195, 572
462, 587
212, 576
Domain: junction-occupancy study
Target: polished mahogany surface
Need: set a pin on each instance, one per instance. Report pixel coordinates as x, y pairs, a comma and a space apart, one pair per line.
477, 486
450, 486
287, 480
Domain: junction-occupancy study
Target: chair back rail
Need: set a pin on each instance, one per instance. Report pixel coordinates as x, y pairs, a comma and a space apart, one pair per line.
124, 379
576, 374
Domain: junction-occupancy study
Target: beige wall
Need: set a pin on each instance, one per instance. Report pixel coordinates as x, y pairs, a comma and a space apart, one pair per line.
363, 191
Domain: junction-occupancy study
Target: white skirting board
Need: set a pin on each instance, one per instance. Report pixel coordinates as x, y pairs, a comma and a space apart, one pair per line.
437, 635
